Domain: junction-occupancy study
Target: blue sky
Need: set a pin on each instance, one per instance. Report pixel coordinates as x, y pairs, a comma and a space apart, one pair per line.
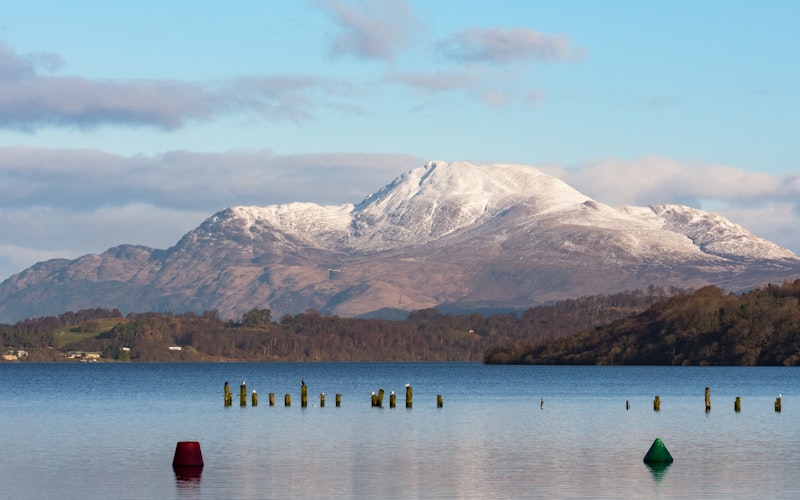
132, 122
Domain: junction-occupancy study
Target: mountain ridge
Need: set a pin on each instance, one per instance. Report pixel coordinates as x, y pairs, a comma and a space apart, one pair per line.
442, 233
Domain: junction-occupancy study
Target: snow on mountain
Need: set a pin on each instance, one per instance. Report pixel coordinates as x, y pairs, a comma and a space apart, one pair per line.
440, 199
710, 232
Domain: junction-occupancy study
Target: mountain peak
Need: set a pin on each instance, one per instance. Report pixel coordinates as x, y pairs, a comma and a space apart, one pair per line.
441, 198
471, 236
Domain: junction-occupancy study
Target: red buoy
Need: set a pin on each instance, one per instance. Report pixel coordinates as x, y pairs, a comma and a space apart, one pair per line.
187, 454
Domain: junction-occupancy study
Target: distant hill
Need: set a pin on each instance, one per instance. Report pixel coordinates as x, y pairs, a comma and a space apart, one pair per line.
707, 327
466, 237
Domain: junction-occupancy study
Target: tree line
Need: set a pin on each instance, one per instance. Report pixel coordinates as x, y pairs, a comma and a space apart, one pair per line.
706, 327
425, 335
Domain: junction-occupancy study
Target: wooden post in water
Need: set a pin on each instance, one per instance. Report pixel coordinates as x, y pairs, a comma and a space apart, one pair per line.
287, 400
439, 402
243, 394
228, 395
392, 399
272, 399
737, 405
322, 400
303, 396
657, 403
338, 400
627, 405
778, 403
380, 398
254, 398
374, 399
408, 396
708, 399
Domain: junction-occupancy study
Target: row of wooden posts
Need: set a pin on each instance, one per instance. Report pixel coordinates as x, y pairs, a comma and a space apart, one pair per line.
377, 399
737, 404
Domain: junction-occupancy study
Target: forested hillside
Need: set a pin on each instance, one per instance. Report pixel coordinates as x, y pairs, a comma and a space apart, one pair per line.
707, 327
426, 335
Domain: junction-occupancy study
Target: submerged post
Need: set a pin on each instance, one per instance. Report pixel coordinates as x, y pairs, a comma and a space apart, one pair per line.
392, 399
439, 401
243, 394
627, 405
737, 405
708, 399
303, 395
287, 400
408, 396
322, 400
374, 399
338, 400
254, 398
272, 399
657, 403
228, 395
778, 403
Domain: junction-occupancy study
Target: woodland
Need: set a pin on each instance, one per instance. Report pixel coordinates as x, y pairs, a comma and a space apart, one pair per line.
641, 327
705, 328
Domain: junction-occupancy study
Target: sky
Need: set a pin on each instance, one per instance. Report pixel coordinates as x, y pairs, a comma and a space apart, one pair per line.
132, 122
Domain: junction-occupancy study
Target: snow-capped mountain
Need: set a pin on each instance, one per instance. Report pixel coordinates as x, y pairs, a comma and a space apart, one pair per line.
467, 235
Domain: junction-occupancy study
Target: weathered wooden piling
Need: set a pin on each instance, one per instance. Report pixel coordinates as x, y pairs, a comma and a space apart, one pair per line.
254, 398
243, 394
708, 399
657, 403
338, 400
272, 399
541, 404
322, 400
737, 405
627, 405
303, 395
778, 403
380, 398
287, 400
392, 399
228, 395
439, 401
409, 398
374, 399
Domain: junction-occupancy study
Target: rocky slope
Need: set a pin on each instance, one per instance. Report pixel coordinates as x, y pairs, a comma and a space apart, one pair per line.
503, 236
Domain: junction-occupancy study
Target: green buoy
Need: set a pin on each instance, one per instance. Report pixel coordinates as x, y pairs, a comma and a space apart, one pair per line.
658, 453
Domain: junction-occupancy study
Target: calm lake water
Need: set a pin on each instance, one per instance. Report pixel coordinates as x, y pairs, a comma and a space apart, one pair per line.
110, 431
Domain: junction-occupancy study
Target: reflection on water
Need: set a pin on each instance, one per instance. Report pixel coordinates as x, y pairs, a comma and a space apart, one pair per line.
110, 431
188, 476
658, 469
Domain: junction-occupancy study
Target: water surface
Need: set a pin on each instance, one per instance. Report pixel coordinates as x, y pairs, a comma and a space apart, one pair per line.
110, 431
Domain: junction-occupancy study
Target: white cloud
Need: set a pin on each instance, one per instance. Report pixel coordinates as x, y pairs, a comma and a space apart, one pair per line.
503, 45
372, 29
30, 99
